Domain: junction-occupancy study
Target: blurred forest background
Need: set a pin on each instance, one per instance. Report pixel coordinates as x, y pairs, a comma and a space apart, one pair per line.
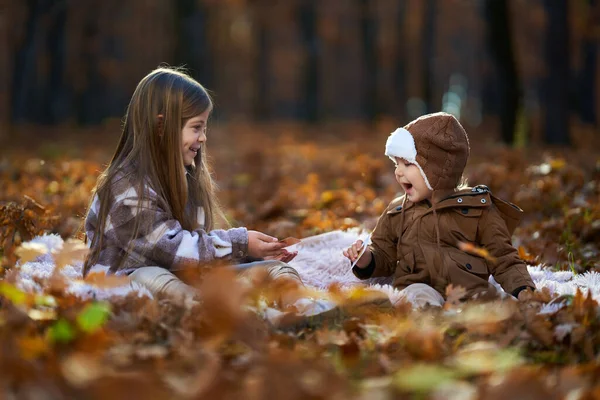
528, 66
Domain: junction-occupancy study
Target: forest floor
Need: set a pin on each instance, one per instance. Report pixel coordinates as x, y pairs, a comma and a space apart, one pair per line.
294, 180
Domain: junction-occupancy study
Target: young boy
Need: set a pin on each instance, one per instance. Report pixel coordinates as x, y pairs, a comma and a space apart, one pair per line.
417, 238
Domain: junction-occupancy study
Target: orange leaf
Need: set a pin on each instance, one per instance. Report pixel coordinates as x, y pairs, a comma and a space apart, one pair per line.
478, 251
101, 279
32, 347
524, 255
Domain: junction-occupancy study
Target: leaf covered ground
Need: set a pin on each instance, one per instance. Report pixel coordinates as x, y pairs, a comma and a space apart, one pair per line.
299, 181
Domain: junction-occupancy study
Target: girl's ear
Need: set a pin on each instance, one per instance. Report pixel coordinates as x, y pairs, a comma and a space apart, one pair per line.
160, 124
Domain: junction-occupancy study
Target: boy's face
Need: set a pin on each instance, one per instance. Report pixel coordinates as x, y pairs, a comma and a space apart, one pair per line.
409, 177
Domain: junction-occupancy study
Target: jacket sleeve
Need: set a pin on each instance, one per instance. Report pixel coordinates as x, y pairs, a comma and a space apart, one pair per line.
160, 238
383, 249
508, 269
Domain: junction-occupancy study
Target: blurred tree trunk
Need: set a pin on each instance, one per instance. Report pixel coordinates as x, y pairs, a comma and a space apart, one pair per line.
400, 70
261, 105
58, 96
192, 44
428, 53
556, 87
586, 77
39, 91
308, 22
369, 42
24, 65
94, 97
6, 71
501, 48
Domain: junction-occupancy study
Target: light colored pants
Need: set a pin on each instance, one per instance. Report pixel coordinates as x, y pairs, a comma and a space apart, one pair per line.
420, 294
162, 282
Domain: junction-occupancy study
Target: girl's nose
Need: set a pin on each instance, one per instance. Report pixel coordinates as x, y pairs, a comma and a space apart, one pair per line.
202, 137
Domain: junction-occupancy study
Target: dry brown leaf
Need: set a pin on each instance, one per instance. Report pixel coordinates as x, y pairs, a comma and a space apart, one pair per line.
541, 329
37, 207
325, 337
30, 251
80, 369
425, 344
42, 315
454, 295
72, 250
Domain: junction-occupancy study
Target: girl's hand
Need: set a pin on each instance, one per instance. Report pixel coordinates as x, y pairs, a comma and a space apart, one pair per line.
353, 251
284, 257
263, 246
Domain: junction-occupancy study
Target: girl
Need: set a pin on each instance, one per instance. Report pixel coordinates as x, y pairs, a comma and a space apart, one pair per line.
418, 239
154, 208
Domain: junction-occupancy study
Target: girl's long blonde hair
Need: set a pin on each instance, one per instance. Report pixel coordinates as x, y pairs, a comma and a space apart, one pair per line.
150, 154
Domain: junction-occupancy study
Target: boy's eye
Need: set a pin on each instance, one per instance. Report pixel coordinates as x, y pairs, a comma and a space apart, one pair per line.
405, 163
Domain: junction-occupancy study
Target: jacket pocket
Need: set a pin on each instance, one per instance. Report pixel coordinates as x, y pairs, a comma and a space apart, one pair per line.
469, 263
463, 223
468, 212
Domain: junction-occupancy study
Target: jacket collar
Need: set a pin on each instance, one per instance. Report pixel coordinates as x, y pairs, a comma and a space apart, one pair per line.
465, 198
469, 197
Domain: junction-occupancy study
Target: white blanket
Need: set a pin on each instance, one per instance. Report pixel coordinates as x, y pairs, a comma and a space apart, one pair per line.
320, 263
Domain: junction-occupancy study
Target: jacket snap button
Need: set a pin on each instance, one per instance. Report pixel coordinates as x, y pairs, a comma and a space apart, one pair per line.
464, 211
468, 266
482, 201
459, 199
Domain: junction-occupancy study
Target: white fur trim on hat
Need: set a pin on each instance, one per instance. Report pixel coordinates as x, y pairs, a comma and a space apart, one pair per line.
401, 144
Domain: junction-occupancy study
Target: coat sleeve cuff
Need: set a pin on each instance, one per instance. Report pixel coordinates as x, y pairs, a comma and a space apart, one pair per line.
364, 273
239, 243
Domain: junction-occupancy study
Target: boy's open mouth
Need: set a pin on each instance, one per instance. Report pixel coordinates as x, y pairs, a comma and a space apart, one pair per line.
407, 186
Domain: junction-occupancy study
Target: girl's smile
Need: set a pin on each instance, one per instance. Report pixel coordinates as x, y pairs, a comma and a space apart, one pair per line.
193, 135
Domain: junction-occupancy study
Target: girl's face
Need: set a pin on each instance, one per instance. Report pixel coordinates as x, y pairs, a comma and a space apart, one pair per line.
409, 177
193, 136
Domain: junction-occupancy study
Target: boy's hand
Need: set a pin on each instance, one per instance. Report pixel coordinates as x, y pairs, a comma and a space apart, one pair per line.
353, 251
525, 294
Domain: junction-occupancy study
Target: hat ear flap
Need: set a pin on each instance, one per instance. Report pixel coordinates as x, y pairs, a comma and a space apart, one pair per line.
401, 144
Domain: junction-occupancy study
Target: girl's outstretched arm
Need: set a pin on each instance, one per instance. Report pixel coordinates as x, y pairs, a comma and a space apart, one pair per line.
151, 236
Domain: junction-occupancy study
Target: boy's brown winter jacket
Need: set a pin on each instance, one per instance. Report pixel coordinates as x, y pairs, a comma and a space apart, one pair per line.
470, 216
